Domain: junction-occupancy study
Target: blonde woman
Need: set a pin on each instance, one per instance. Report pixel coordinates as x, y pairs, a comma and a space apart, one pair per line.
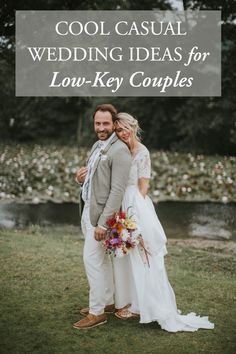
151, 295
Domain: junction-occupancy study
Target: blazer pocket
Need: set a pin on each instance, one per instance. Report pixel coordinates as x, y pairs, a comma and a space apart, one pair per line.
102, 199
103, 158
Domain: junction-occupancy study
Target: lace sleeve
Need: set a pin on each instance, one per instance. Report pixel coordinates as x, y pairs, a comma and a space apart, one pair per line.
144, 165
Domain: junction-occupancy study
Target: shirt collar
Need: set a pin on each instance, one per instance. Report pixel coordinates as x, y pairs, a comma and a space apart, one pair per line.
104, 143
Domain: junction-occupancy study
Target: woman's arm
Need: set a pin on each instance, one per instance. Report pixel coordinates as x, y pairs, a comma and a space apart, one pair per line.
143, 185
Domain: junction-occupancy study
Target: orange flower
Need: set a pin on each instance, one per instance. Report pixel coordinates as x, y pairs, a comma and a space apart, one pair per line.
119, 227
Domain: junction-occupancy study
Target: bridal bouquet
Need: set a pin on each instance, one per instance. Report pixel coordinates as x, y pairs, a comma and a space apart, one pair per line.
122, 235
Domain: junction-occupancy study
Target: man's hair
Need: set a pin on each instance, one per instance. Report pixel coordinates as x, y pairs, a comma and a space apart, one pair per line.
107, 107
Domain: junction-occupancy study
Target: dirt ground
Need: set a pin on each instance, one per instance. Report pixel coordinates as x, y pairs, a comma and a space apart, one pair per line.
217, 246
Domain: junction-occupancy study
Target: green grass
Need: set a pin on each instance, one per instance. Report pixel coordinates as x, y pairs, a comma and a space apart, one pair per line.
43, 286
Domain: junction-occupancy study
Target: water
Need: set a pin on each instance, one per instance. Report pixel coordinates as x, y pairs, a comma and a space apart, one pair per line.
179, 219
206, 220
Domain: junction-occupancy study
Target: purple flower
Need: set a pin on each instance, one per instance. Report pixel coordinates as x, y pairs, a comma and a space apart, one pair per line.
115, 241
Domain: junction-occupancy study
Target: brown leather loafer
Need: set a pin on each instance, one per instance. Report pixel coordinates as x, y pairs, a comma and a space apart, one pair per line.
108, 309
90, 321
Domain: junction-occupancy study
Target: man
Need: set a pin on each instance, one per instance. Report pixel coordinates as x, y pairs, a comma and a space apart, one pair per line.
103, 184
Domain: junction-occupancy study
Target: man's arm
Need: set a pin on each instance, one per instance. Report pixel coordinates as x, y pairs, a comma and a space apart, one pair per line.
121, 163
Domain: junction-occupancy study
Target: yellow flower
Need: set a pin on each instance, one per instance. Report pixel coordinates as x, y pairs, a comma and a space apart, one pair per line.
130, 224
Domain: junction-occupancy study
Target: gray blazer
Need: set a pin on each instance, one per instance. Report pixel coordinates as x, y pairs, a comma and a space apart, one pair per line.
109, 180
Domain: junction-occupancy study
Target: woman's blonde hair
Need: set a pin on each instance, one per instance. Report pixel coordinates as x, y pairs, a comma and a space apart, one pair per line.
129, 123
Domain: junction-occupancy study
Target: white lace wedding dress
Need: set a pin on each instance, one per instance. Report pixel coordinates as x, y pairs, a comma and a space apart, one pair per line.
143, 281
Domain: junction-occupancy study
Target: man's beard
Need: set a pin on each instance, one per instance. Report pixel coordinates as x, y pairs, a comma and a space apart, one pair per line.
104, 135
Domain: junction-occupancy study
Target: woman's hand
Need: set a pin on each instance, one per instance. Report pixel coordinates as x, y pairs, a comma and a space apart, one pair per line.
143, 186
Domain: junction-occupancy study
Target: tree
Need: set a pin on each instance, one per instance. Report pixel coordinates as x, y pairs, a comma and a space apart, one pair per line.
196, 124
28, 119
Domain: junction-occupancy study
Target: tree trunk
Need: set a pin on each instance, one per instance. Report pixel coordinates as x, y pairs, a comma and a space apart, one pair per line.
79, 131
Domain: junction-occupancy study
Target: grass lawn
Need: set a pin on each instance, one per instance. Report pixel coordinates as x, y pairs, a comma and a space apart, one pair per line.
43, 286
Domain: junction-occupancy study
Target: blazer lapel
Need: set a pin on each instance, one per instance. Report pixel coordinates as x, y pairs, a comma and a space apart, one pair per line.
92, 151
104, 151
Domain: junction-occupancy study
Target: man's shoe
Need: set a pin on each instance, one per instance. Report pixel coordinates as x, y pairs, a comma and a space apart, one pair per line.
90, 321
107, 309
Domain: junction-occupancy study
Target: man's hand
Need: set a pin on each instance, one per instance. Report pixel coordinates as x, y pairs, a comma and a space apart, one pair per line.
81, 174
99, 233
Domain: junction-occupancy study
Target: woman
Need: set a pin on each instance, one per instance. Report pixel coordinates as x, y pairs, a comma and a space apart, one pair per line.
151, 295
